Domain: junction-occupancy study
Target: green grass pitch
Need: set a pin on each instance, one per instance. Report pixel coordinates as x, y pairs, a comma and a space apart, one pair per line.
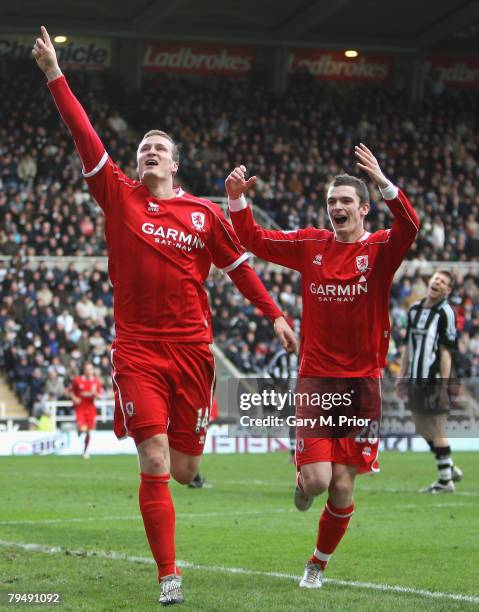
73, 508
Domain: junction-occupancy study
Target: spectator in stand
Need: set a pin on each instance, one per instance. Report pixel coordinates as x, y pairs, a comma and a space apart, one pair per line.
54, 386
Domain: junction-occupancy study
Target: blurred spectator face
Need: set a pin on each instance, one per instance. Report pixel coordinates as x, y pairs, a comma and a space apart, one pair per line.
155, 158
346, 213
439, 287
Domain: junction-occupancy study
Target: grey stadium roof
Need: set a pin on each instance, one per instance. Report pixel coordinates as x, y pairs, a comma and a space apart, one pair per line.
394, 25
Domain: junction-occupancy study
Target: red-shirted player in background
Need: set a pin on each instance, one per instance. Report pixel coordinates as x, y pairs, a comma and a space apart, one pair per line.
161, 244
346, 280
84, 390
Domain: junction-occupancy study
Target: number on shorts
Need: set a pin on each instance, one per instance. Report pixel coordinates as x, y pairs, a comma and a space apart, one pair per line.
202, 419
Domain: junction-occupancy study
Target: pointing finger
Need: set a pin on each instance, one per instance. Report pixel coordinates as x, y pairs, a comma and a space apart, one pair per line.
46, 36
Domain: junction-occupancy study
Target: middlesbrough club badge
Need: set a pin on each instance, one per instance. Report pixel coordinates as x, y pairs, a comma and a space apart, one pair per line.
198, 220
362, 263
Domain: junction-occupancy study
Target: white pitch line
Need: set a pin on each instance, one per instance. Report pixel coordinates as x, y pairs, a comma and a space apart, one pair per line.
189, 515
137, 517
245, 571
360, 489
413, 491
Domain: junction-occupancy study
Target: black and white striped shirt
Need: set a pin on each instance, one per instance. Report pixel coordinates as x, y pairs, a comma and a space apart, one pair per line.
427, 330
283, 367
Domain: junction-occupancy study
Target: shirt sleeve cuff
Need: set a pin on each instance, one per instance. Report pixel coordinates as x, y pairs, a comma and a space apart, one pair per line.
390, 192
56, 79
238, 204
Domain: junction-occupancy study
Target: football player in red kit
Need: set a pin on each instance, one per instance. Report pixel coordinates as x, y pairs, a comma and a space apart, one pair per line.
161, 244
346, 279
84, 390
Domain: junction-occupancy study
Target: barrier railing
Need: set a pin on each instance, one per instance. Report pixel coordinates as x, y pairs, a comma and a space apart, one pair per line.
104, 408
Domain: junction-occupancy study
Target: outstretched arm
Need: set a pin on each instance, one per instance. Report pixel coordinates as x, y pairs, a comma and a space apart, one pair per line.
406, 222
89, 146
271, 245
247, 281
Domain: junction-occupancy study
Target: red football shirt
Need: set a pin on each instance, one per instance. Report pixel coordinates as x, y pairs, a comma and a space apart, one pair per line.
159, 256
160, 251
345, 288
87, 389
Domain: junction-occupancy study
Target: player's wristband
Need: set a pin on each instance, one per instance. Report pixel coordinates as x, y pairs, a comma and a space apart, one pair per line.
390, 192
237, 204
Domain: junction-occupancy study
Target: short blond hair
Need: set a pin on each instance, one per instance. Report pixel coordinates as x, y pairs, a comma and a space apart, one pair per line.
175, 153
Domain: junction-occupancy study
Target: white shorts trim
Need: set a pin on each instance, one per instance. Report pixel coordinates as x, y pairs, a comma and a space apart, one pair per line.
120, 399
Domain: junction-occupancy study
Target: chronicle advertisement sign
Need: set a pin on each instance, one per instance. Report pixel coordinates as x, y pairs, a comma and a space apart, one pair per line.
75, 54
198, 59
457, 71
334, 66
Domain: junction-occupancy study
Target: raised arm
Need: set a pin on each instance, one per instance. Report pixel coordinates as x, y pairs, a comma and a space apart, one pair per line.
247, 281
271, 245
229, 256
88, 144
406, 222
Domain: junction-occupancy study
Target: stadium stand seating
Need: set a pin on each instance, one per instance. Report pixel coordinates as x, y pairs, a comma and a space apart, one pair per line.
55, 314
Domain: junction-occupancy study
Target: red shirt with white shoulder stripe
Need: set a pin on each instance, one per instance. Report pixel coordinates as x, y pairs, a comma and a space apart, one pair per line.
345, 287
160, 251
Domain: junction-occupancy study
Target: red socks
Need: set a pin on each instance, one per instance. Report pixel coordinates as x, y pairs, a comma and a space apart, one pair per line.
332, 526
158, 514
87, 441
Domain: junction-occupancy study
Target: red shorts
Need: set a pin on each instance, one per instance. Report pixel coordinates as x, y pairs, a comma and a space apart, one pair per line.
163, 387
347, 451
85, 417
348, 416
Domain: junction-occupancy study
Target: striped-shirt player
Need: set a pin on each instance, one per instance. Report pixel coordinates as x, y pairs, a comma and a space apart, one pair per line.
430, 328
426, 362
283, 369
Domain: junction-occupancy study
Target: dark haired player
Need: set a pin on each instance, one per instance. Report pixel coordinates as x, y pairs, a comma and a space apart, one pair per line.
161, 244
346, 280
425, 374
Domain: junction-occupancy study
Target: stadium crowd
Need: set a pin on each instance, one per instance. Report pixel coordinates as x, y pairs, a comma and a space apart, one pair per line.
52, 318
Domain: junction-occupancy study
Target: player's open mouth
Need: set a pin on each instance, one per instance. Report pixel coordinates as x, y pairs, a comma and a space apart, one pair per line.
151, 162
340, 219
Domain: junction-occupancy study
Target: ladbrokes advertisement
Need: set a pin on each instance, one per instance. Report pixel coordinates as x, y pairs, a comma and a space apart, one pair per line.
457, 71
334, 66
198, 59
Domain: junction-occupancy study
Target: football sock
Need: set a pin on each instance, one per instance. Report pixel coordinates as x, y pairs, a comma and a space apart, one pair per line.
444, 463
87, 441
332, 527
158, 514
430, 443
